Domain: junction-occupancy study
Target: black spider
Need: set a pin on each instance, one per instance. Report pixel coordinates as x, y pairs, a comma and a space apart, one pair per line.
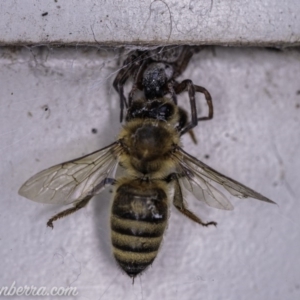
154, 72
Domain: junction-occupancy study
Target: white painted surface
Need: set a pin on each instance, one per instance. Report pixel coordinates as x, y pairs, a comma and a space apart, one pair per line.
238, 22
254, 138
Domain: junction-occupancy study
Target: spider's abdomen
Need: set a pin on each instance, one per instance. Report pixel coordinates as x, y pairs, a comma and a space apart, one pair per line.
155, 79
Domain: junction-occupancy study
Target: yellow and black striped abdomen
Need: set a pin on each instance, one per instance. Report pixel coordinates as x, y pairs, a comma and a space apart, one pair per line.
138, 221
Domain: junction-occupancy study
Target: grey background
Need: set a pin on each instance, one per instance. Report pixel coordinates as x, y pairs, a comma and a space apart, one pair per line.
253, 138
51, 98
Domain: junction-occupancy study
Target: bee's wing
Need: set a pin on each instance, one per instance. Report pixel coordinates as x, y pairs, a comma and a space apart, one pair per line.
73, 180
196, 176
204, 191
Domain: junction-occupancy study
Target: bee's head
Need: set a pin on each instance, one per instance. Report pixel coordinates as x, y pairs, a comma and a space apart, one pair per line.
158, 109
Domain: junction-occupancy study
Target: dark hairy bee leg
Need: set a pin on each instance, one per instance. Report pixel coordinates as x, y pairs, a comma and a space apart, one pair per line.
179, 204
69, 211
192, 89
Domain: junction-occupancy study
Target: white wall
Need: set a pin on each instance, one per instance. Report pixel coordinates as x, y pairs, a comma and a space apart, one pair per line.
254, 138
238, 22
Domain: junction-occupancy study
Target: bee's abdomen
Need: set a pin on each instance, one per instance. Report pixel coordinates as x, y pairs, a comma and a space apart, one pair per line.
135, 249
138, 220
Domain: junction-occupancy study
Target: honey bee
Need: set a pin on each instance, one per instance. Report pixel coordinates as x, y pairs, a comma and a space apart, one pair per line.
156, 170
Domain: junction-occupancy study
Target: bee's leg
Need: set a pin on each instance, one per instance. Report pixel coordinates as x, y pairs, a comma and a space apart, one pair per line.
193, 137
192, 89
180, 205
82, 203
69, 211
183, 119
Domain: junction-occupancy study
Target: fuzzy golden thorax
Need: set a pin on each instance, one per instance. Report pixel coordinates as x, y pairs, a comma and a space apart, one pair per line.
148, 145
